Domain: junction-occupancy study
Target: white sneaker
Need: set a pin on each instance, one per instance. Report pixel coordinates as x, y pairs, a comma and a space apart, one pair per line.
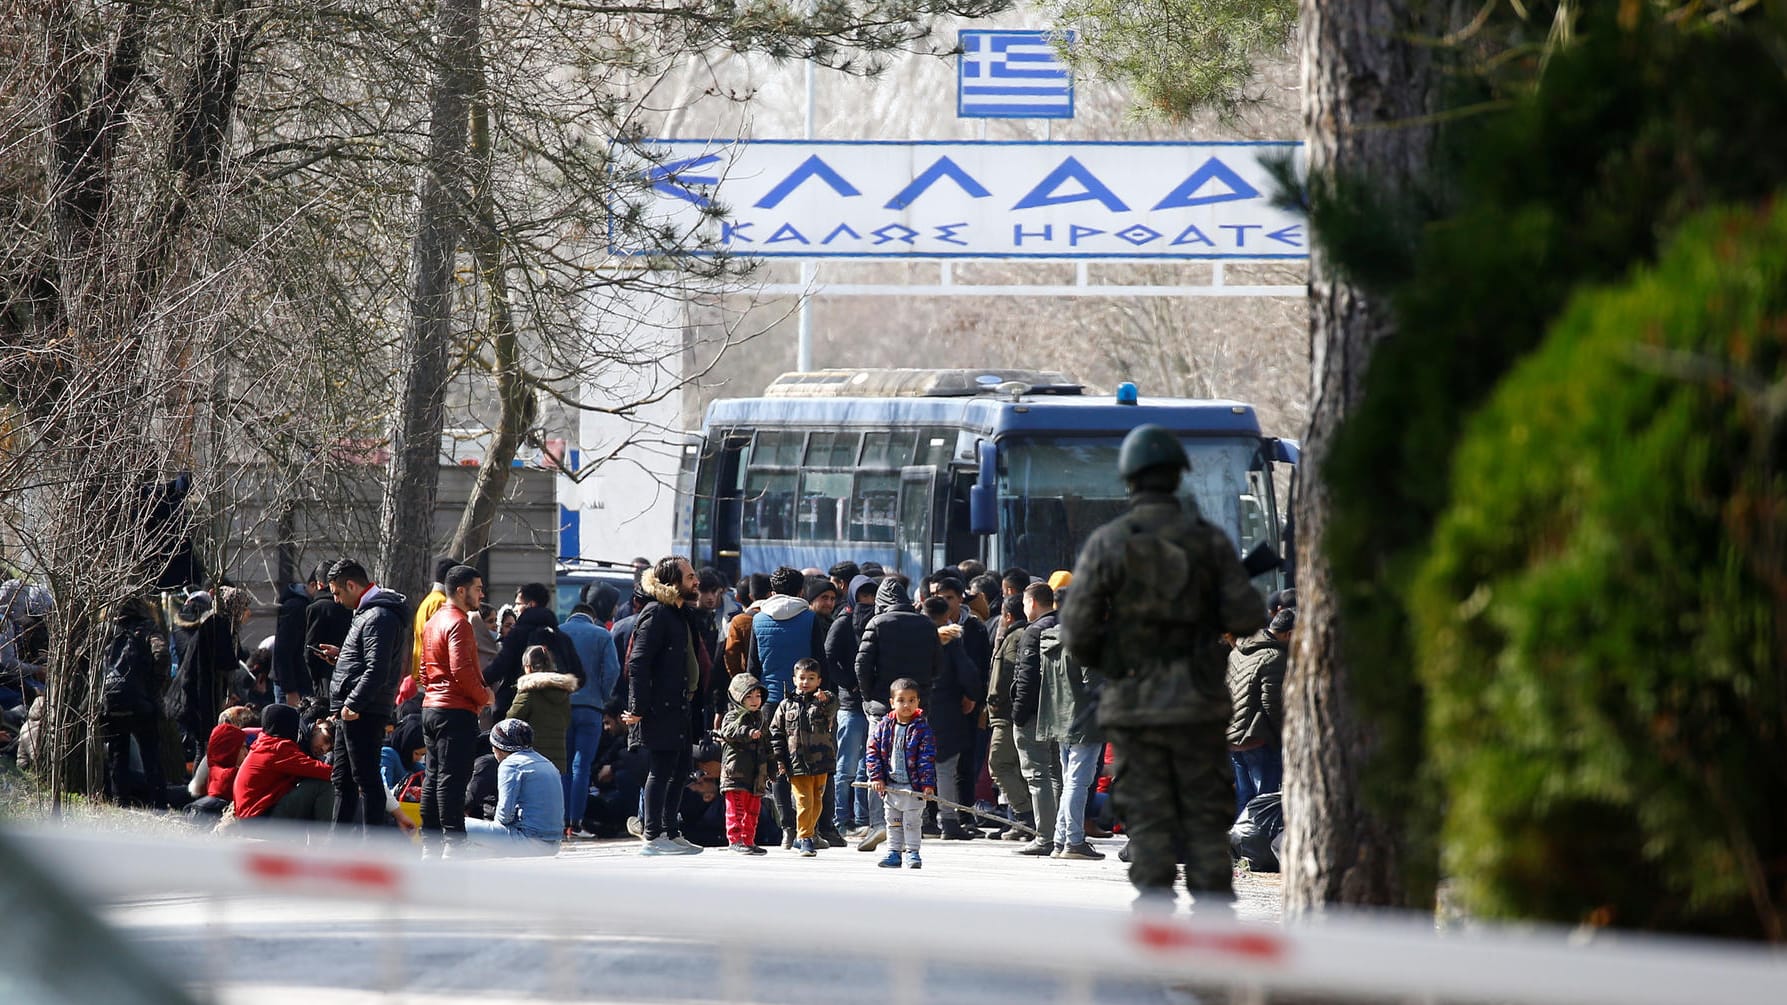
684, 846
660, 845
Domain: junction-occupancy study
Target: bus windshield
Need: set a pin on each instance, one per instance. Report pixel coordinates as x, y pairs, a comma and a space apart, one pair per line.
1054, 491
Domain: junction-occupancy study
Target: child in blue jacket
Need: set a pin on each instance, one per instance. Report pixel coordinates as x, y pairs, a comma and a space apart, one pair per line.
902, 758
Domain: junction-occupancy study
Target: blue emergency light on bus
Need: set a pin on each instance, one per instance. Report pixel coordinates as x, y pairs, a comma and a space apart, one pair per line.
918, 469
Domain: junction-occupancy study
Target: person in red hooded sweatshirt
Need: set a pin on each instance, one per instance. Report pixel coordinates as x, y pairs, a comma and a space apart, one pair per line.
223, 754
278, 780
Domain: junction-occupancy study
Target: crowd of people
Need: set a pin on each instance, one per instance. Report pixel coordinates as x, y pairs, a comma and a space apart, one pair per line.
802, 709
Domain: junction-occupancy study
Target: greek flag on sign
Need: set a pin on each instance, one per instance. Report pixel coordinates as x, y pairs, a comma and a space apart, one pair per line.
1012, 75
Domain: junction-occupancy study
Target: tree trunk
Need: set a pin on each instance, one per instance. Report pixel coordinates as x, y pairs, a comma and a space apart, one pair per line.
515, 400
1367, 92
406, 514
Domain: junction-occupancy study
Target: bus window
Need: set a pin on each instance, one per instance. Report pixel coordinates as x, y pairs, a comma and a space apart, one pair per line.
872, 506
823, 498
877, 450
769, 505
935, 446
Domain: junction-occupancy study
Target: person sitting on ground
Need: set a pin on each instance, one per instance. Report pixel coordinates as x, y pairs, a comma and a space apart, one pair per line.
530, 798
279, 781
214, 783
480, 789
404, 753
543, 701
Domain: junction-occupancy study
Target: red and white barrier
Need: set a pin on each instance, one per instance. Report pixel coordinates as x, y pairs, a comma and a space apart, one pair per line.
1371, 956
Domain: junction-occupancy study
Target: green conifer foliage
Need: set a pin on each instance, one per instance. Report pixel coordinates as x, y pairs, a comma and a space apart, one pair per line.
1596, 625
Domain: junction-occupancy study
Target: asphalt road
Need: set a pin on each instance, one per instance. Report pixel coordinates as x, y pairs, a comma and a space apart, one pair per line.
266, 951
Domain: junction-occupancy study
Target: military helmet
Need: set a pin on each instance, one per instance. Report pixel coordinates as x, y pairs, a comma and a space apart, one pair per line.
1149, 446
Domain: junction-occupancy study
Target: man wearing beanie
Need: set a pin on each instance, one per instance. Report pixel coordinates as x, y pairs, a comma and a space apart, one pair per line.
278, 780
530, 798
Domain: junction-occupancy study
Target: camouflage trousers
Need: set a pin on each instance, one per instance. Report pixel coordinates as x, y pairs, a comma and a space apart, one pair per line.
1174, 790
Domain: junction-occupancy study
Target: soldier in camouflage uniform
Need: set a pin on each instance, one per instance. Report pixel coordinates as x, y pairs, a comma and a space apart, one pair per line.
1153, 591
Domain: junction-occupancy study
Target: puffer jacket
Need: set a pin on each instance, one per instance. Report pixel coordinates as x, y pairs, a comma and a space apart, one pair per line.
921, 752
1026, 676
804, 732
543, 701
367, 671
1256, 685
744, 759
897, 642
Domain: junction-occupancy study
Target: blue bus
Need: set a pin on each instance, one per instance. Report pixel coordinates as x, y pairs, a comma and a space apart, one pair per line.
918, 469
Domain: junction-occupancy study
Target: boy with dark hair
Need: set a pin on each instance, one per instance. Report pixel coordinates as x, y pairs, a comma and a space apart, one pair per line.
806, 749
902, 764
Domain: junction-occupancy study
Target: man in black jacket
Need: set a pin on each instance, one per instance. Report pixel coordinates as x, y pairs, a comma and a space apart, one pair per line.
325, 624
363, 690
664, 669
1040, 757
897, 642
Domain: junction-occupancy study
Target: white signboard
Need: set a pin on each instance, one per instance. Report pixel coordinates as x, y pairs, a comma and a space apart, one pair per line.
918, 199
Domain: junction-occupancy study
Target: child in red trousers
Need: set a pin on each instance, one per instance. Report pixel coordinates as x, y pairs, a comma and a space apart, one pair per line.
745, 761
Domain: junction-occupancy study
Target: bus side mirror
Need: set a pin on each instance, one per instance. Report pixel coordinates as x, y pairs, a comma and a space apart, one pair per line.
1288, 451
983, 499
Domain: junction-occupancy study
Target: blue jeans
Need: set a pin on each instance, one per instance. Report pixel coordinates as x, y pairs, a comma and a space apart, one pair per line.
581, 741
853, 744
491, 838
877, 807
1079, 769
1257, 771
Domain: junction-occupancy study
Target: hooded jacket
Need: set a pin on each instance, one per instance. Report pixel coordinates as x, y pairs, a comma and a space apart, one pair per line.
953, 728
1256, 686
1067, 696
744, 760
136, 664
367, 670
804, 731
897, 642
291, 671
1005, 665
543, 701
664, 669
274, 766
841, 642
783, 631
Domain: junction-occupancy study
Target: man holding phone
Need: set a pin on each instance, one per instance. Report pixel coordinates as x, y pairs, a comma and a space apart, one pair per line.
363, 689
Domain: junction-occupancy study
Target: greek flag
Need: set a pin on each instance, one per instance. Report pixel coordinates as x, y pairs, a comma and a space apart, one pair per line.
1012, 75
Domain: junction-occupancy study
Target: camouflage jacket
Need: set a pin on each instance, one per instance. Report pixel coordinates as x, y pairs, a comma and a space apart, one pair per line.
1153, 591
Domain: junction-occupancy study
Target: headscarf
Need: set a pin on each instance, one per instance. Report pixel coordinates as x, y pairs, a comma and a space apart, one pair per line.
406, 738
